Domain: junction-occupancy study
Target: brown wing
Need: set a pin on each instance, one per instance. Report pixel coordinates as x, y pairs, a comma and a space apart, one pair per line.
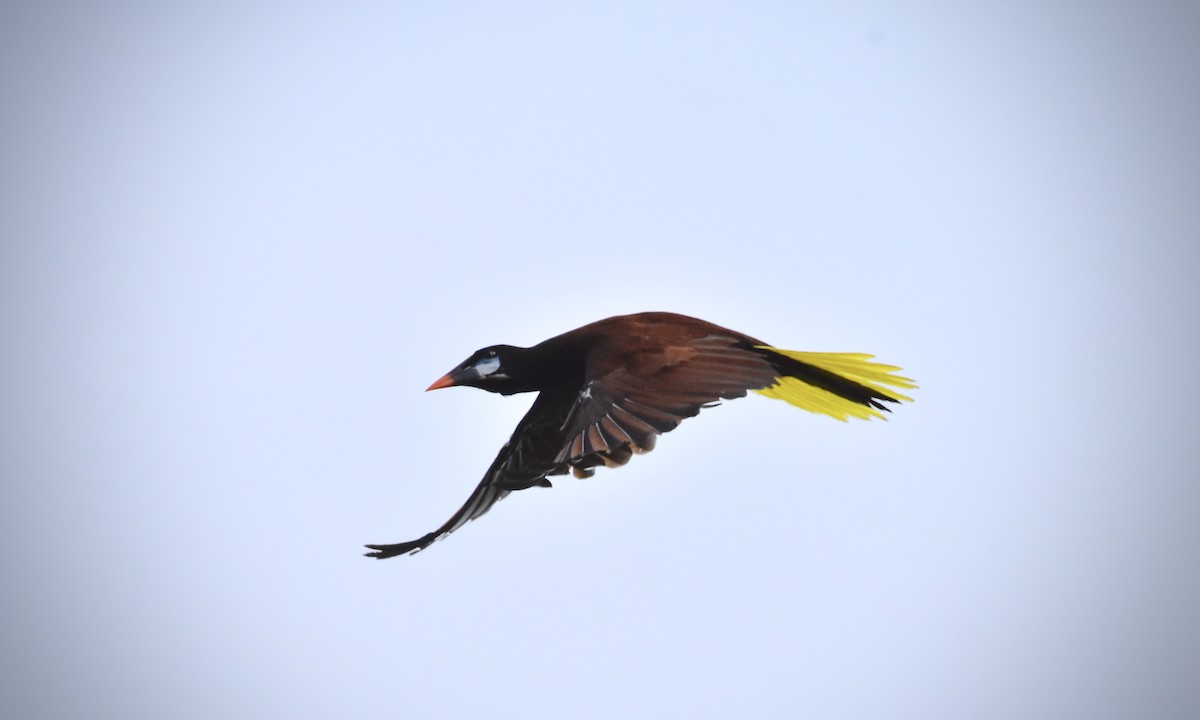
524, 462
650, 391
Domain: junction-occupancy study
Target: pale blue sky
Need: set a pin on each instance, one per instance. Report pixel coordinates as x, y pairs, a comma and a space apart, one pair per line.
239, 240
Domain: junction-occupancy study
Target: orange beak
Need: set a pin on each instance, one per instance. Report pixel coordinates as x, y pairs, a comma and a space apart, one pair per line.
444, 381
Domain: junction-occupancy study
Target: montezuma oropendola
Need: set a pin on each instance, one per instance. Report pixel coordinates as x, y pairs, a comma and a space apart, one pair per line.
608, 389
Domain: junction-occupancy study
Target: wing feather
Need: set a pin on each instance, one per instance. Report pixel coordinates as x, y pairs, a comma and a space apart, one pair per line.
525, 461
624, 409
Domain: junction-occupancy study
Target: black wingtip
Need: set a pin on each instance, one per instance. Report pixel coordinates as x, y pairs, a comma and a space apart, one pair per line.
379, 553
383, 552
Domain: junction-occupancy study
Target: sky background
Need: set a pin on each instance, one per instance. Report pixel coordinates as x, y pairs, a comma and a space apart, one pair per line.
240, 239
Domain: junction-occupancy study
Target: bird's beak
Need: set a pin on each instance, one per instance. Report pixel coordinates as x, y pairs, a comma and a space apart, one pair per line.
444, 381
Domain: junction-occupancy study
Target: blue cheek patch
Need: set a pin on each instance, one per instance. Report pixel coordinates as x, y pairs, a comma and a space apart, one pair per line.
487, 366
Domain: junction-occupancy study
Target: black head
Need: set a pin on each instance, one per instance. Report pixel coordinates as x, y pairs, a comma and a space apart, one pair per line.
499, 368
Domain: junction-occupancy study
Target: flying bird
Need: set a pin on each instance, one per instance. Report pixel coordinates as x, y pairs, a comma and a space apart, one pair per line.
607, 390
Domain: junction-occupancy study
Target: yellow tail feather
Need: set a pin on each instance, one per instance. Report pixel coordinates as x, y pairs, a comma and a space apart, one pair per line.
855, 367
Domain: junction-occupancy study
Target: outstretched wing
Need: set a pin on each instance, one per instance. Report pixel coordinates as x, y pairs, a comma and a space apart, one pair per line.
524, 462
623, 410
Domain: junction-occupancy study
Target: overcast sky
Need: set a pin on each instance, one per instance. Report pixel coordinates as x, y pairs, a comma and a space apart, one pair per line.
240, 239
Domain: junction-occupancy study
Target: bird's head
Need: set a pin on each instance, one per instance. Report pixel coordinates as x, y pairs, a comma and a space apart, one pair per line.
498, 368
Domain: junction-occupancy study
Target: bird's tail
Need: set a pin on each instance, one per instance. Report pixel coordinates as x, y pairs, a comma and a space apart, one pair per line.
840, 385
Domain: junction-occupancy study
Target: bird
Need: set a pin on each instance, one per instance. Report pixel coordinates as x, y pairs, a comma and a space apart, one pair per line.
607, 390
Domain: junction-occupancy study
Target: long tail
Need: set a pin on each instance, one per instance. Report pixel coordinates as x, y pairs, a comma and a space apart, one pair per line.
840, 385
